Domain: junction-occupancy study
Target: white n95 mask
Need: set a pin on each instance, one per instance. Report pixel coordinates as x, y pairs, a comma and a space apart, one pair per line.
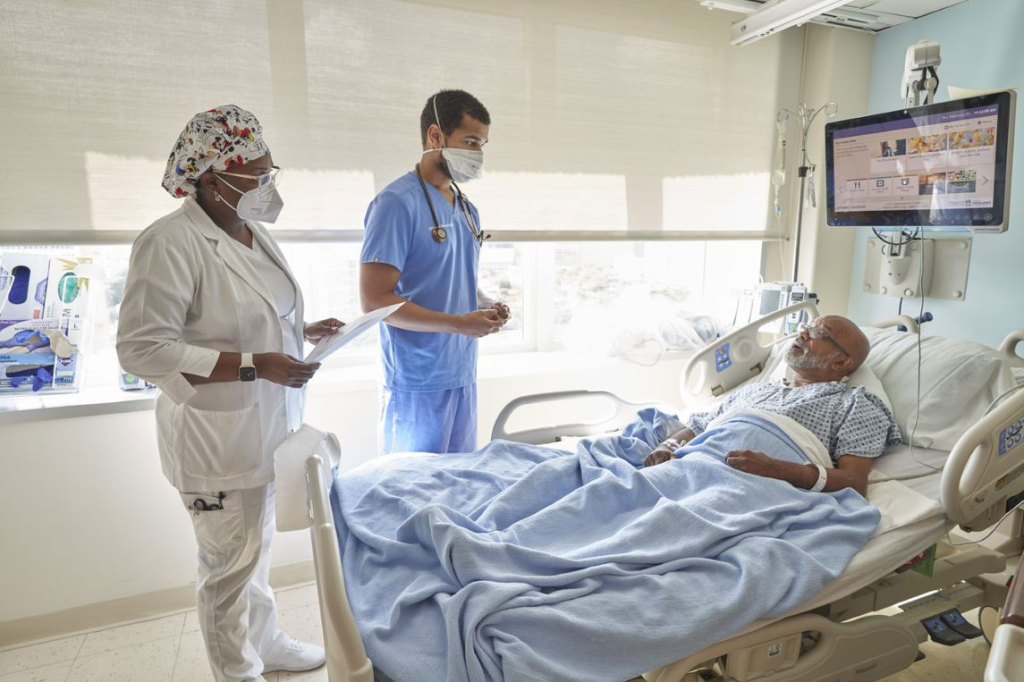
463, 164
262, 203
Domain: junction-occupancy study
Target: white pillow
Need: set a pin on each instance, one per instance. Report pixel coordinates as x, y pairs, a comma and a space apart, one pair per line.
865, 377
959, 380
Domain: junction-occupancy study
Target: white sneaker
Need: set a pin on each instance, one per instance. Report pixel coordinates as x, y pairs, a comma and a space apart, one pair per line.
291, 655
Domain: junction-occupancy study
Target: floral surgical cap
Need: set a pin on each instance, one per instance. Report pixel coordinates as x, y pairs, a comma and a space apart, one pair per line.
217, 139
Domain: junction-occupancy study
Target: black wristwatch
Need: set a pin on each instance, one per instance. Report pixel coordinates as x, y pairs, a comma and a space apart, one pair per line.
247, 372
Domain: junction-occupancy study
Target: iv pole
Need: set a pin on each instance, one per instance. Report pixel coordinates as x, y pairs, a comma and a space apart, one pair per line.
806, 115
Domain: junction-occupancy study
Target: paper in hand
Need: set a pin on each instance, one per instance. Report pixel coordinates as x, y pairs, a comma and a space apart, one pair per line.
329, 344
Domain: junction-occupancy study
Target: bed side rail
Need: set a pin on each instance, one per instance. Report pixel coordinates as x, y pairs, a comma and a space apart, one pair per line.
1009, 348
346, 657
868, 648
727, 362
810, 647
621, 413
986, 467
906, 321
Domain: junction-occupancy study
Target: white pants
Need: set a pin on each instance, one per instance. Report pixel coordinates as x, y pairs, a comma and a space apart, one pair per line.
236, 606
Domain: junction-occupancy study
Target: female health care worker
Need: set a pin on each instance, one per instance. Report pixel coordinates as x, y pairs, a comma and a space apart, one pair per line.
213, 316
422, 246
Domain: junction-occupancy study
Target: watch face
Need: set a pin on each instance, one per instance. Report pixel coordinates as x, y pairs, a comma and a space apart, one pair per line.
247, 374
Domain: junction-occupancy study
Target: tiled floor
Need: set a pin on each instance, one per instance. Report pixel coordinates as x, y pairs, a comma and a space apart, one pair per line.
170, 649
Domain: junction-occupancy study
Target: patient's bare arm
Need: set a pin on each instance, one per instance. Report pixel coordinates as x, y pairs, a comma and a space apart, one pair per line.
667, 448
852, 471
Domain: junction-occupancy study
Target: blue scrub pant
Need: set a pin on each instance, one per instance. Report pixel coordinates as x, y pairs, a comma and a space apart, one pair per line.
428, 421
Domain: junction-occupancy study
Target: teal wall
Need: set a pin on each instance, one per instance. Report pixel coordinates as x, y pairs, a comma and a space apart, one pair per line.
982, 48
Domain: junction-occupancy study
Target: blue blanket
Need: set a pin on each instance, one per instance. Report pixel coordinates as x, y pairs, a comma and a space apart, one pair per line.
520, 562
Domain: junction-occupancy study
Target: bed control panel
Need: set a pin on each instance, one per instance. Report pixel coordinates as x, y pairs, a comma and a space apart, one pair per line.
760, 660
1011, 437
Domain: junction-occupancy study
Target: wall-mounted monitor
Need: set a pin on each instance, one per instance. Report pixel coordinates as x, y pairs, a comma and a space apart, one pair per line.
943, 166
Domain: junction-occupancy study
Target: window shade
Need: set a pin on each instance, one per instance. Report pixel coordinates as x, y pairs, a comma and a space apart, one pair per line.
606, 116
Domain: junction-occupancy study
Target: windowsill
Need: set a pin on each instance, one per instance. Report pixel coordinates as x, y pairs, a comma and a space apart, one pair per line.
87, 402
91, 401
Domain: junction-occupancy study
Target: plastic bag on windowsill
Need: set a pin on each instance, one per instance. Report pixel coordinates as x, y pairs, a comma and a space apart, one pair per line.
636, 328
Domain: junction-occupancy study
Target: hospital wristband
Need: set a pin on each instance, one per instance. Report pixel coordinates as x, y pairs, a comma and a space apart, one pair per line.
819, 485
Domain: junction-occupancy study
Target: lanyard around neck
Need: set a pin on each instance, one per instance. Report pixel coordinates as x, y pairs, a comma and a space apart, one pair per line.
477, 233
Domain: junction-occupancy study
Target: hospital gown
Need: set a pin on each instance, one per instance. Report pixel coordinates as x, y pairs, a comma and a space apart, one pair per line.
848, 420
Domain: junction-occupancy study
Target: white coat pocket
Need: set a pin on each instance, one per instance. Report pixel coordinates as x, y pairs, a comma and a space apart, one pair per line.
215, 444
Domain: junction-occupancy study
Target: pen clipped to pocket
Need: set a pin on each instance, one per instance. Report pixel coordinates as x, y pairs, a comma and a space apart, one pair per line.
204, 502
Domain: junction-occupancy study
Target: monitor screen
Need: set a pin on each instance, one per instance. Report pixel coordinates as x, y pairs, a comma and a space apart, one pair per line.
942, 166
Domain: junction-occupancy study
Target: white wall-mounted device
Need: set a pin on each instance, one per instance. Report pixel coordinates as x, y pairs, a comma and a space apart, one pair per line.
920, 73
897, 270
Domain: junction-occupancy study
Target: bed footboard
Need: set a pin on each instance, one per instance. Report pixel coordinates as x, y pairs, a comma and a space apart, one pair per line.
346, 657
1006, 659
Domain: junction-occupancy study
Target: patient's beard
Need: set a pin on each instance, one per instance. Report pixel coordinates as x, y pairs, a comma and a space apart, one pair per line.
805, 360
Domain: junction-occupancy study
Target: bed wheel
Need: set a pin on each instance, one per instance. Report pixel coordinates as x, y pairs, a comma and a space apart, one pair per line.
988, 620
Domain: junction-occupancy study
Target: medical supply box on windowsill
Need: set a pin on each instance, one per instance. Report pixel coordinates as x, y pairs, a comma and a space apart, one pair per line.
43, 306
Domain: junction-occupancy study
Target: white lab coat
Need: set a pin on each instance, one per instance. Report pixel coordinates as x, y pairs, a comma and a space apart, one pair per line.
189, 296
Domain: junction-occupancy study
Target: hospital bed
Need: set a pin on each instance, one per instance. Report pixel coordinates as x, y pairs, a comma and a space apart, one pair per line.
838, 635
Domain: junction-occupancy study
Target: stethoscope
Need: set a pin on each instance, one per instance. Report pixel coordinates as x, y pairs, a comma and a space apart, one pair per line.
440, 234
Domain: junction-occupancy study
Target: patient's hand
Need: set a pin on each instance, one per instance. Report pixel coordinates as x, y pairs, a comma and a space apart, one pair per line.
754, 462
659, 455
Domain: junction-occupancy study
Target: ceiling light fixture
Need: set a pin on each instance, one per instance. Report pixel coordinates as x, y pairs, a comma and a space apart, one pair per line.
775, 16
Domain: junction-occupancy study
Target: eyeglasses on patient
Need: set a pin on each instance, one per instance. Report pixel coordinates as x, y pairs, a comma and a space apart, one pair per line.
816, 330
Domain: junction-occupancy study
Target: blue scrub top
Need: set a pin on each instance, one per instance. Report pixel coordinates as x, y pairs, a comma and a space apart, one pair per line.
441, 277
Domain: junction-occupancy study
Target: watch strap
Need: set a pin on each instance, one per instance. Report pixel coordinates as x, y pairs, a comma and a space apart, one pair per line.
246, 369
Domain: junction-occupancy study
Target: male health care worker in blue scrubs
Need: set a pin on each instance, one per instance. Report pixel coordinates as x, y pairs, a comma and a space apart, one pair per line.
422, 246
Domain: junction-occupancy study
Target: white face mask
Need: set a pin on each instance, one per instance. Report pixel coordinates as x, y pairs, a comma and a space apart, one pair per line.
262, 203
463, 164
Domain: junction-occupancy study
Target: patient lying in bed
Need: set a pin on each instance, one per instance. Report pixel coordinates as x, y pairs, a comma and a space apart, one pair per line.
520, 562
855, 425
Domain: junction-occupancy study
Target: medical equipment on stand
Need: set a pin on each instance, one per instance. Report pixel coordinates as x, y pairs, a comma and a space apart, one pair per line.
779, 174
769, 297
807, 199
